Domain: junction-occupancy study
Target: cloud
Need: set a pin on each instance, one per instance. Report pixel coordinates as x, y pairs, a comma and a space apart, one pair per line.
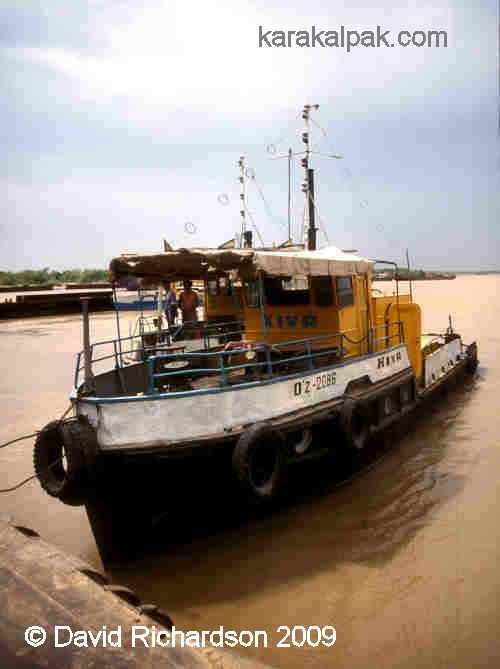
166, 56
124, 120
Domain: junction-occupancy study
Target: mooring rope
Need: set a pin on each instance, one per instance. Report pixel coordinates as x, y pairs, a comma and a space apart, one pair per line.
28, 436
34, 434
30, 478
8, 443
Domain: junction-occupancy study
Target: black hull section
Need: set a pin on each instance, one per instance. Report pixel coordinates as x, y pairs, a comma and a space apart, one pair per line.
136, 493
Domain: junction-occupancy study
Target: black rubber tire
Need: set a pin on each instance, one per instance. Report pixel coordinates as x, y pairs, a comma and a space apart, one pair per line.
57, 439
258, 459
355, 423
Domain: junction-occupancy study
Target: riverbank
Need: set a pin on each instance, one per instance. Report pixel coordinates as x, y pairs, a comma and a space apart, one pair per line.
414, 276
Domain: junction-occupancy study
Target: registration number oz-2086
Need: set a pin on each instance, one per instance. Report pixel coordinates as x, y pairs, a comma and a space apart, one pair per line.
316, 383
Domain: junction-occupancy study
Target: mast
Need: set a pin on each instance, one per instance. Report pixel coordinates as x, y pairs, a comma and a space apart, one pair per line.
241, 164
289, 194
308, 185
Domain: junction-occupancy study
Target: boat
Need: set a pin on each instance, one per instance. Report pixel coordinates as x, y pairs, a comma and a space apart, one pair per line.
320, 352
138, 300
53, 302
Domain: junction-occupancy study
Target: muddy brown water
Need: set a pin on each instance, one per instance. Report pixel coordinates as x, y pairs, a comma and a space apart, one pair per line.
404, 561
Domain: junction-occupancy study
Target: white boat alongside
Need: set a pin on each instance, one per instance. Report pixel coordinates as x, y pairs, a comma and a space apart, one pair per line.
135, 300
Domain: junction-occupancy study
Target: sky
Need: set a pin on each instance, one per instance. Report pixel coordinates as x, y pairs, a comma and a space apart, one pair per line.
122, 123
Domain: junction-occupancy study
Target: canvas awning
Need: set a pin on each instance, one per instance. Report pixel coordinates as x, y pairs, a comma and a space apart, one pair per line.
195, 263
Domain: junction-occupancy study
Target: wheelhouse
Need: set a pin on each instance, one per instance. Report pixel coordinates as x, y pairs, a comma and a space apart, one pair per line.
222, 297
301, 303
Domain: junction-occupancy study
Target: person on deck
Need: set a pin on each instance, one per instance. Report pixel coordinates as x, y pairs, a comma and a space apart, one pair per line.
188, 303
170, 303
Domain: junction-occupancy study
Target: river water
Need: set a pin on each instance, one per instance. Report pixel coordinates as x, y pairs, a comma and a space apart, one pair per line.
404, 561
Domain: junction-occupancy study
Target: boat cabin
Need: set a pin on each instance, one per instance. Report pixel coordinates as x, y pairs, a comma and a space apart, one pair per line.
222, 298
294, 304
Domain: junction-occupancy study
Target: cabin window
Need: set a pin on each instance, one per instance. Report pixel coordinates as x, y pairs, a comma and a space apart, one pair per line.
252, 293
322, 290
345, 291
224, 286
282, 291
212, 287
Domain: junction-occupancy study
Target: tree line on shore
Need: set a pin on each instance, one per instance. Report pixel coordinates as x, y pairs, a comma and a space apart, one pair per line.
414, 275
47, 276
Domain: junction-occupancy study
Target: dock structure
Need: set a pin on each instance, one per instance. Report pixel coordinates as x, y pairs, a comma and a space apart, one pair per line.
42, 586
54, 303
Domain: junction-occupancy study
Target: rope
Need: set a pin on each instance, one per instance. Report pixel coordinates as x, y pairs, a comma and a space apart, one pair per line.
30, 478
353, 341
266, 205
28, 436
8, 443
66, 412
325, 135
253, 222
34, 434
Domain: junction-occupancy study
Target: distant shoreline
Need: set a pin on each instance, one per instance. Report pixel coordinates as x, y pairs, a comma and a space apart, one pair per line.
432, 276
418, 275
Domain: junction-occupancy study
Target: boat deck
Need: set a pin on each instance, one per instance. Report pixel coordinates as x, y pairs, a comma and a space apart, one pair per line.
202, 355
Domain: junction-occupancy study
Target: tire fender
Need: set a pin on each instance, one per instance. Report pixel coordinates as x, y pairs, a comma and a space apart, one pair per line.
75, 441
257, 460
355, 422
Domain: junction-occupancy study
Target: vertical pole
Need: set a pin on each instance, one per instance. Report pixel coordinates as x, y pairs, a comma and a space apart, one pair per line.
290, 194
261, 305
311, 241
409, 278
308, 351
159, 314
87, 362
308, 185
118, 326
241, 163
368, 313
264, 329
397, 301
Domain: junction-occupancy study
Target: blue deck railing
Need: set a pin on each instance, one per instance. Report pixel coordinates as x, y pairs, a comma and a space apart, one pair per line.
269, 359
137, 347
265, 354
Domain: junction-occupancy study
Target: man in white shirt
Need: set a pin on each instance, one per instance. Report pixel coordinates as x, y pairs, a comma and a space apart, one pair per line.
169, 303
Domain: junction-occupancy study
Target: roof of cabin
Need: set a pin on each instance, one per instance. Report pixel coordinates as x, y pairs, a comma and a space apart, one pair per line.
196, 262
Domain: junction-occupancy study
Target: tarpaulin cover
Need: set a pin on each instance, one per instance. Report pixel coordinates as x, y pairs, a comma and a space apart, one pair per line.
195, 263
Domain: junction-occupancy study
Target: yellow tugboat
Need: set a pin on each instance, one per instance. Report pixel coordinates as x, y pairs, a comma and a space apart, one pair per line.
319, 352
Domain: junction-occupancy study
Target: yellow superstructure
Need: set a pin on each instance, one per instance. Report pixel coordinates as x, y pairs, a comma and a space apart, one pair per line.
305, 307
222, 298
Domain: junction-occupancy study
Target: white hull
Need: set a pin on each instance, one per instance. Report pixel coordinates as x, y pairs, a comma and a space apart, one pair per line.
439, 363
165, 420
